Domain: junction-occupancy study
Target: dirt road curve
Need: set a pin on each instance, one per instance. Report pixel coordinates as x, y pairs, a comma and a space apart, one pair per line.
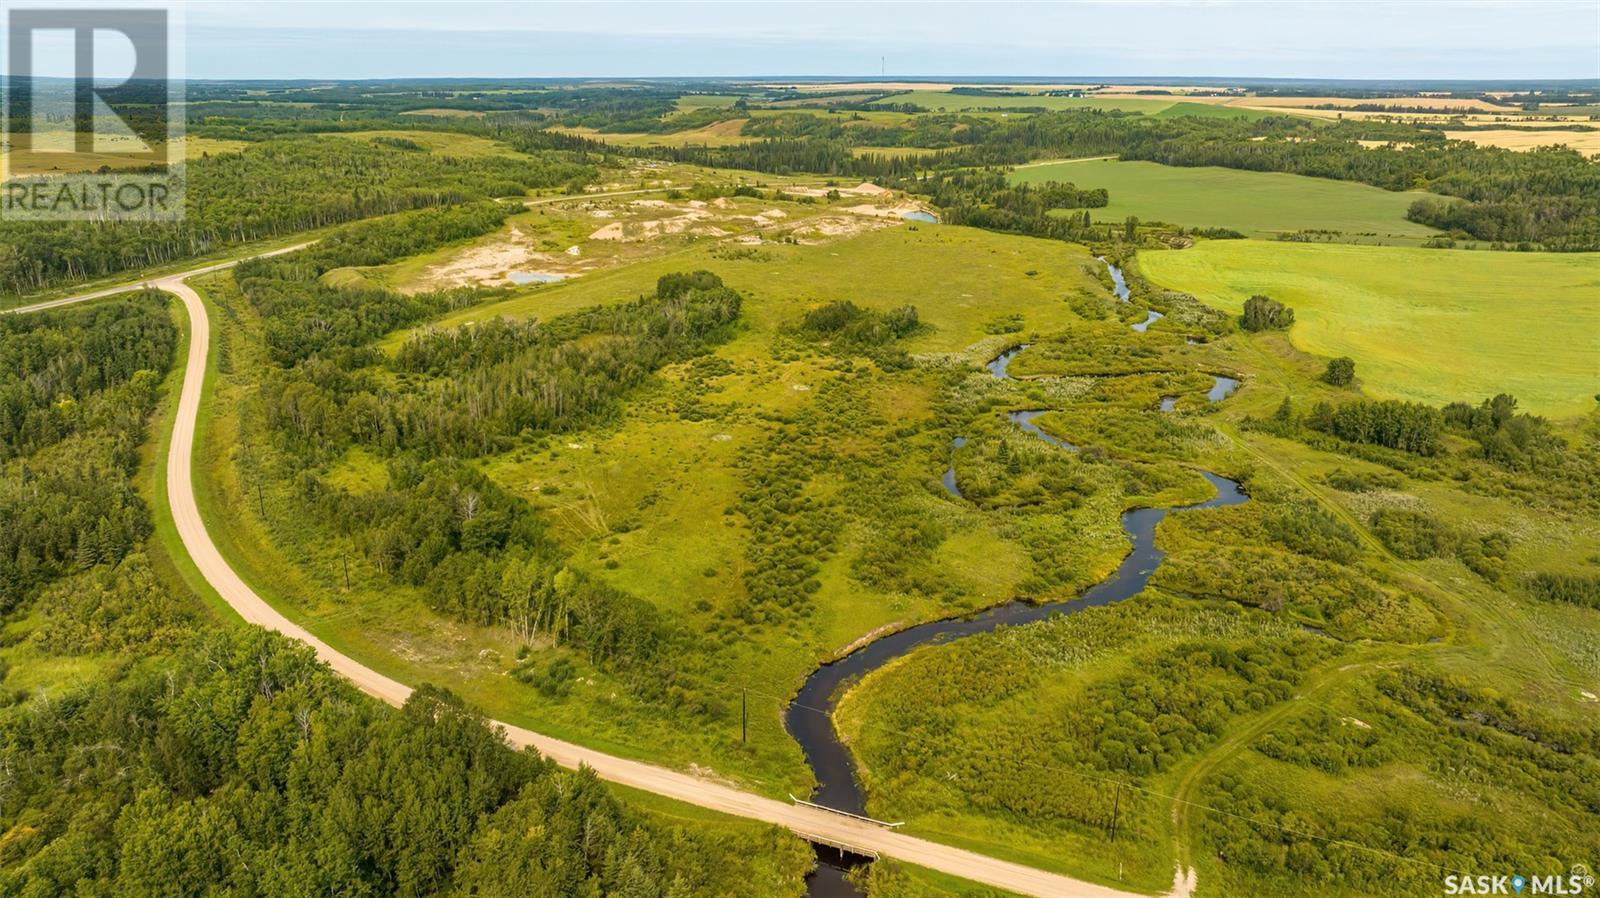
683, 787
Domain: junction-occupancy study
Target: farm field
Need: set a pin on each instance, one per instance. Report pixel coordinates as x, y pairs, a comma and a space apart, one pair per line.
1586, 142
1255, 203
1433, 326
58, 147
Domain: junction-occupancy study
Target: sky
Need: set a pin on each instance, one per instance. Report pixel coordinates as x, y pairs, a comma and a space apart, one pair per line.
1421, 39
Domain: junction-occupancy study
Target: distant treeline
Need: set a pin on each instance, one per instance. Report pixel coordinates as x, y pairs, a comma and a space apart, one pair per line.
277, 187
1548, 197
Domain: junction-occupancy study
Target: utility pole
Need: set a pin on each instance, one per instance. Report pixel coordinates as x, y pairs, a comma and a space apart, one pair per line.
1116, 806
744, 718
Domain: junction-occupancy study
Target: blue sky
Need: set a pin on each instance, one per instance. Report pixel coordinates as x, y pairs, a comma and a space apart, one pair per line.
1224, 38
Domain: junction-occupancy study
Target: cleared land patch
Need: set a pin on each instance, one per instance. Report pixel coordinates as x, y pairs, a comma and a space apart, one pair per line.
445, 143
719, 134
55, 153
1426, 325
1257, 203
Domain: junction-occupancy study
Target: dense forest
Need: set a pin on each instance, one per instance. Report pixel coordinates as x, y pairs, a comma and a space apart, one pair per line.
188, 759
75, 388
239, 763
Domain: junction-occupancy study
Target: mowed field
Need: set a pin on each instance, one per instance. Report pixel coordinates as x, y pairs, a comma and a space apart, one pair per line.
1256, 203
1426, 325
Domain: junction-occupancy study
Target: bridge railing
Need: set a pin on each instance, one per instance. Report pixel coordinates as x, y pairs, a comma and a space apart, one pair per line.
823, 807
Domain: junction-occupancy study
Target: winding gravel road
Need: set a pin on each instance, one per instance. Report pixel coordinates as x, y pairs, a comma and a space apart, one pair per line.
806, 821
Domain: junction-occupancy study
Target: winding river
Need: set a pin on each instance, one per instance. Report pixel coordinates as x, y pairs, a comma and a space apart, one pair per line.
809, 718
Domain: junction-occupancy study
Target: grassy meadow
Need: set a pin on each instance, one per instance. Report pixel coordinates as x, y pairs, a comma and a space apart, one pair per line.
1427, 325
1260, 204
445, 143
644, 502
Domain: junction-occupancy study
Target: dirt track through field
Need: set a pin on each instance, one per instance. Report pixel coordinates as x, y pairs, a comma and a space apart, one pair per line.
809, 822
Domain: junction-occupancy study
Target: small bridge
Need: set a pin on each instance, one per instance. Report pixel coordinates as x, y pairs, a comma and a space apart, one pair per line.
837, 843
823, 807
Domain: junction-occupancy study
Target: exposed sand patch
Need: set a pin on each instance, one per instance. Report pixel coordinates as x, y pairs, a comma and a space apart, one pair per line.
483, 264
899, 210
826, 228
697, 220
867, 188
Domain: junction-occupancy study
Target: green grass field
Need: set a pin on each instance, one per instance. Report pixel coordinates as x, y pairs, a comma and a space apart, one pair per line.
1257, 203
1427, 325
1212, 110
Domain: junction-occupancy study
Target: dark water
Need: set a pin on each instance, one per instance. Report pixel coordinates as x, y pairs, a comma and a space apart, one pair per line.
1119, 284
1151, 316
830, 879
1001, 362
949, 478
809, 718
1024, 420
1222, 389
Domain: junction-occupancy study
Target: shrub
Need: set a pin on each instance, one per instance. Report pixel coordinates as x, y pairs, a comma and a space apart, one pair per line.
1263, 313
1340, 372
